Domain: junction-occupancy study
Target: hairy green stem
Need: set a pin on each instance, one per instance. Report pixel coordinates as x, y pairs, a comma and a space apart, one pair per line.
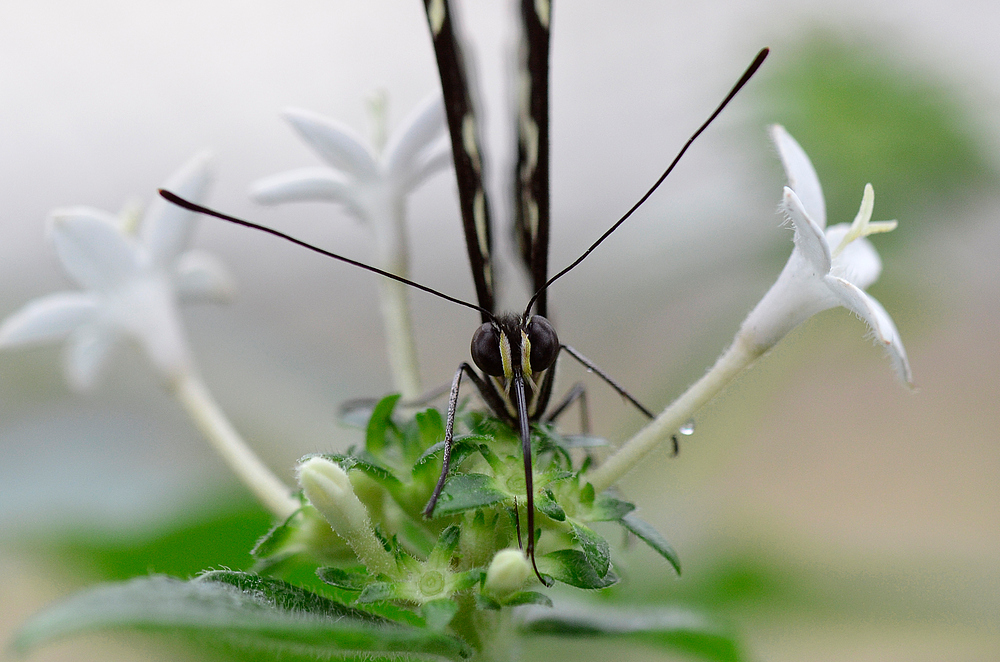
732, 362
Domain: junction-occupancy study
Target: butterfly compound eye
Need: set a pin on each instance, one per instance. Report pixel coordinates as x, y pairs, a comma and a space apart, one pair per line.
544, 343
486, 350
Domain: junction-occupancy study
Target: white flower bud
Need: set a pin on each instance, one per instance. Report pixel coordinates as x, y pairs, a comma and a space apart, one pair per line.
508, 572
329, 490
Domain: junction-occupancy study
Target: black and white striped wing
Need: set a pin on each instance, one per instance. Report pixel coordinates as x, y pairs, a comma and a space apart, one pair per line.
531, 175
466, 150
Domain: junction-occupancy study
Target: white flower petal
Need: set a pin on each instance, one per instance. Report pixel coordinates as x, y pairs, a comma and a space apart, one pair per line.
48, 318
167, 228
200, 277
801, 175
894, 345
809, 238
86, 354
92, 249
432, 161
421, 128
147, 310
877, 319
305, 185
858, 262
336, 143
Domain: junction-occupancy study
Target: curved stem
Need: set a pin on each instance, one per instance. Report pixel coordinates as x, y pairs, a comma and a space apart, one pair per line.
208, 417
733, 361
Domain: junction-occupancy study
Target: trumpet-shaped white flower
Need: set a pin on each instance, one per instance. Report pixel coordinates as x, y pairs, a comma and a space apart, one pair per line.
133, 275
827, 268
373, 187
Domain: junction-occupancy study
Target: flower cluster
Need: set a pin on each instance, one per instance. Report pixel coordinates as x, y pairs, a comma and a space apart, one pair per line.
358, 522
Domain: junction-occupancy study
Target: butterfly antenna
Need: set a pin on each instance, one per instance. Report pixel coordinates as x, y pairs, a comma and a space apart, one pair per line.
751, 70
191, 206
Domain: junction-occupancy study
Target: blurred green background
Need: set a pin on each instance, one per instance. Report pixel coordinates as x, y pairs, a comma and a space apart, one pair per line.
825, 511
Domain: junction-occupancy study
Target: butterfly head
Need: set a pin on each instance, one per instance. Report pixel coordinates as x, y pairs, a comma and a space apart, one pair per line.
512, 345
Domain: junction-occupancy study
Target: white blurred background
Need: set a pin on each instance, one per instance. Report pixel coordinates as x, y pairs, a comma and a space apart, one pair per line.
816, 462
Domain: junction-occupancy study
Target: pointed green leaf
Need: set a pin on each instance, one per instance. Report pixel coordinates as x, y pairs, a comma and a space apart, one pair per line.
349, 580
378, 473
679, 630
570, 566
594, 547
461, 448
377, 592
244, 611
652, 537
609, 509
438, 613
467, 491
446, 544
272, 541
546, 503
431, 427
486, 603
527, 598
380, 425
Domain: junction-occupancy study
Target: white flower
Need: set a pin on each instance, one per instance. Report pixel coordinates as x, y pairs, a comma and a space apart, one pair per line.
133, 274
372, 184
826, 269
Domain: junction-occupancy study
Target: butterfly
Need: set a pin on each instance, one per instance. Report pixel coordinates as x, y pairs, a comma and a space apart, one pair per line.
515, 352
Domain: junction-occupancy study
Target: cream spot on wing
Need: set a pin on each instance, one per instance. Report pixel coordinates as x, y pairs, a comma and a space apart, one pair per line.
435, 16
469, 140
544, 10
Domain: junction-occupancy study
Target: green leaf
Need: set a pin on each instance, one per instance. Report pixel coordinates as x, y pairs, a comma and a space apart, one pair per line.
349, 580
571, 566
447, 543
609, 509
431, 427
272, 541
546, 503
594, 547
467, 491
438, 613
527, 598
378, 592
244, 611
461, 448
378, 473
676, 629
380, 425
652, 537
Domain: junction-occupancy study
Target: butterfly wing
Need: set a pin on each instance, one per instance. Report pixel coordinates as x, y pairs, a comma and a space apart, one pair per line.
466, 150
531, 175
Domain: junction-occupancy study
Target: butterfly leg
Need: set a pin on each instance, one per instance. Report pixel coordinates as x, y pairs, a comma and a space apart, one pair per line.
576, 394
590, 365
491, 398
